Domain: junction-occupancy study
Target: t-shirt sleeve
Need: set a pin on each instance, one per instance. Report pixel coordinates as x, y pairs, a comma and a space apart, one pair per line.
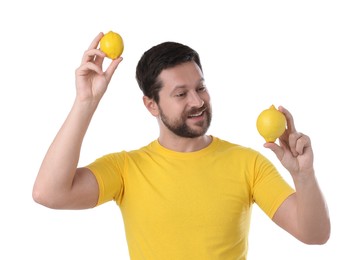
269, 188
108, 171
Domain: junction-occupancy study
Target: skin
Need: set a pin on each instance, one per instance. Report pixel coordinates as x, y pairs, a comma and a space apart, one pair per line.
183, 93
304, 214
61, 184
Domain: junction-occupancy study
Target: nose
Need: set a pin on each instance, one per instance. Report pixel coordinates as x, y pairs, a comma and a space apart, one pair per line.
195, 100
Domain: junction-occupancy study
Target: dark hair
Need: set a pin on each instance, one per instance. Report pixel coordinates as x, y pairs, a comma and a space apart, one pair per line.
162, 56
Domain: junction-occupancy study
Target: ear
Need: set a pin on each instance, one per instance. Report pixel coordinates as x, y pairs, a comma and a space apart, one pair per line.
151, 105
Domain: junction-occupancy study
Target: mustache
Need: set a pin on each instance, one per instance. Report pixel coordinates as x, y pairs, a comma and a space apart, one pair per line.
193, 111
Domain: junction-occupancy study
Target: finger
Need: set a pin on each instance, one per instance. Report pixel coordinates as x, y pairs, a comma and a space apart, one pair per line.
295, 143
99, 59
301, 143
112, 67
91, 55
289, 119
87, 57
87, 67
95, 41
279, 152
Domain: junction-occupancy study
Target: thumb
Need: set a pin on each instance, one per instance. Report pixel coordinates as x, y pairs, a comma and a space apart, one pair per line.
279, 152
112, 67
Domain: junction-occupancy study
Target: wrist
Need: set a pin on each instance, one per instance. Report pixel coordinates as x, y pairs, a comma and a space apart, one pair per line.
84, 109
304, 177
86, 104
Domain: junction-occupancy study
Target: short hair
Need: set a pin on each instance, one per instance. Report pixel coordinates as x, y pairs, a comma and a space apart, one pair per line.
156, 59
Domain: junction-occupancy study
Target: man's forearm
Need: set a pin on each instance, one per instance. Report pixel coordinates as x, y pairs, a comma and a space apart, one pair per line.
313, 216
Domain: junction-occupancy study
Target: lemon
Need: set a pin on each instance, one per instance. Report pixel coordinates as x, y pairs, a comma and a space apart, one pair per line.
112, 45
271, 124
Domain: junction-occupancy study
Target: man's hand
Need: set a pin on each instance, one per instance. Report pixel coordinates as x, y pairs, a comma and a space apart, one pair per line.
303, 214
91, 80
295, 151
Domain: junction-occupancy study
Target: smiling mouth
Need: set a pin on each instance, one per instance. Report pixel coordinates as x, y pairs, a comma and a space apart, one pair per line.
197, 114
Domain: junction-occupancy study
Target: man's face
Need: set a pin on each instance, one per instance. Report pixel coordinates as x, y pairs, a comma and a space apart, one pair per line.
184, 104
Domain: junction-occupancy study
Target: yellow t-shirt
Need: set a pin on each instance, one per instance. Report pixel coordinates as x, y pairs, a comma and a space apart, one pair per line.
189, 206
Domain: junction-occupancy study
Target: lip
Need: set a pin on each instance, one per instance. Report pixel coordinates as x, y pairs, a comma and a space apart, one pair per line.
199, 112
201, 116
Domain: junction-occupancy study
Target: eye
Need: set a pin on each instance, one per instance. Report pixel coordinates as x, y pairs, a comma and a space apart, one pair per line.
181, 94
202, 88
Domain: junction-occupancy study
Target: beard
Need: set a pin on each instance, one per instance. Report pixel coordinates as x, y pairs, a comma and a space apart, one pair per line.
180, 127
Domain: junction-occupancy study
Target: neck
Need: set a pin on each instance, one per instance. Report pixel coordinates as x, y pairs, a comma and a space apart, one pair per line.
183, 144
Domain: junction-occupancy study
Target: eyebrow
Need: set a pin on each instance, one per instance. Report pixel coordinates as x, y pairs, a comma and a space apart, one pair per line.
201, 80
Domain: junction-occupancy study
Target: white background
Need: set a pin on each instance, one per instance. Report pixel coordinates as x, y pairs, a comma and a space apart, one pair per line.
305, 55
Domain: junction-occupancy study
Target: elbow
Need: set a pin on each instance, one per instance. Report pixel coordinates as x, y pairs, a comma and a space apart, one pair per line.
318, 238
39, 196
43, 198
324, 237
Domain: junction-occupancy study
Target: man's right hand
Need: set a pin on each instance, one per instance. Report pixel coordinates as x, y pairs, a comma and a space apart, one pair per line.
91, 80
60, 183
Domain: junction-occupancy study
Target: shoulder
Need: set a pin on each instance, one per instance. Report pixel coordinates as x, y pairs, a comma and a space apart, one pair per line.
118, 158
230, 147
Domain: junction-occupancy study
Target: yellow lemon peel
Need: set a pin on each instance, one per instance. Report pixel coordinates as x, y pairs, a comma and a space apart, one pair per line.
112, 45
271, 124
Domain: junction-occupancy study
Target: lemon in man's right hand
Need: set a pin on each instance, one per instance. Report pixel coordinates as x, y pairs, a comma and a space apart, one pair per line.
112, 45
271, 124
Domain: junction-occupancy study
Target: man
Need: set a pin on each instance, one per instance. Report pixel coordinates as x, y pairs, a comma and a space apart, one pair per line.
186, 195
